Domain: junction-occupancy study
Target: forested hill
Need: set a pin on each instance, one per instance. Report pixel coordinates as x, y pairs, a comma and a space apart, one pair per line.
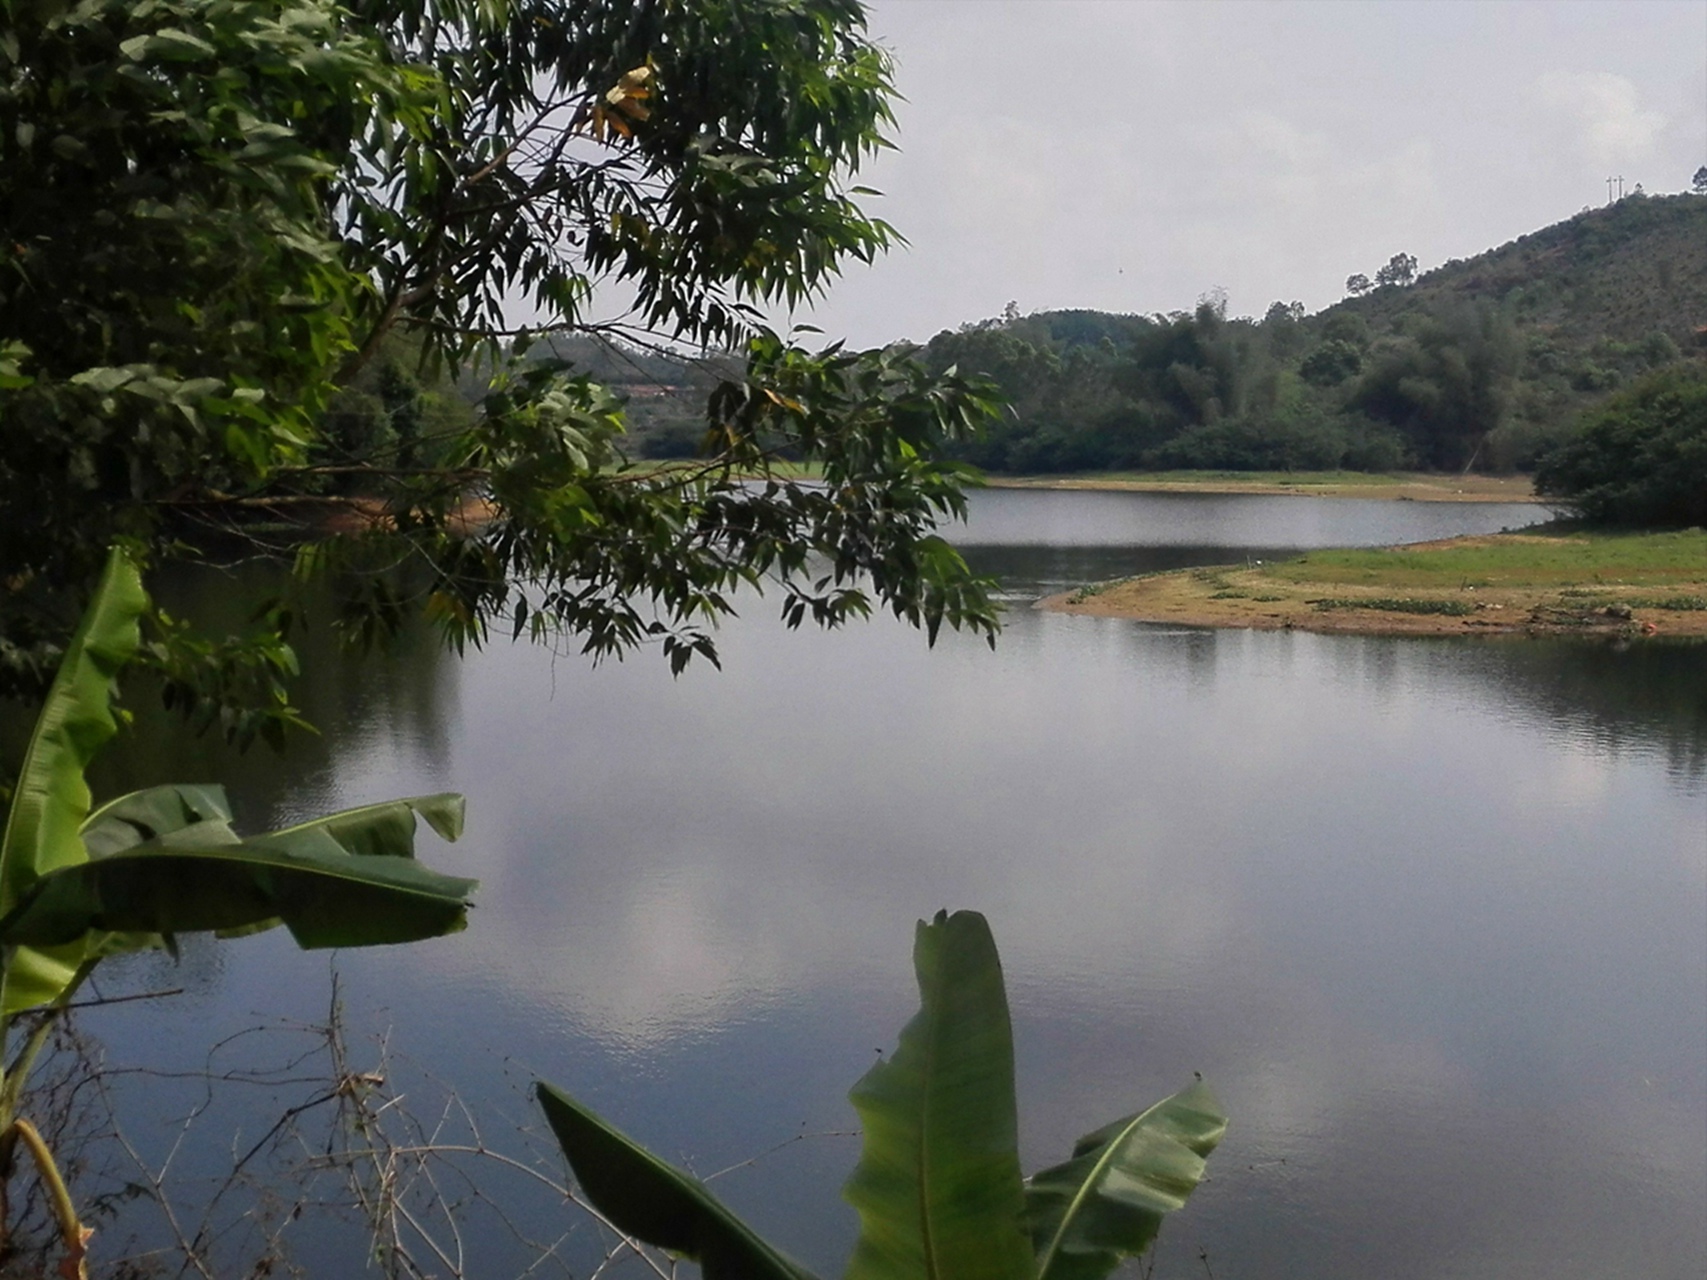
1620, 272
1484, 362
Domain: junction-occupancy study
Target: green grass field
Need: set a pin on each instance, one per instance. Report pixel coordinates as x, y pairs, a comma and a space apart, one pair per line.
1564, 559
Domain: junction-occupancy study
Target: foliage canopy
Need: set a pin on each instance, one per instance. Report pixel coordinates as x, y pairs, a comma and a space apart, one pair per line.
220, 212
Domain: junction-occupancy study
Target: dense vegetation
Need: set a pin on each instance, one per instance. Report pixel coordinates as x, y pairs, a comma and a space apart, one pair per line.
1480, 364
1483, 363
1641, 459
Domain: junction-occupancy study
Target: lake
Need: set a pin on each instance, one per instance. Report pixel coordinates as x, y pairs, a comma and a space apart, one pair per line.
1430, 916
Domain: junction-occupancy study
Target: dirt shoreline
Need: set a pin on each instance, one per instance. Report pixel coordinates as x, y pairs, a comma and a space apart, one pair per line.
1404, 487
1253, 597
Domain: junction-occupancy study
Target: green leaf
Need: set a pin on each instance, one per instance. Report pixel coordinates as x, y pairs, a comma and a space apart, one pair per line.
105, 378
656, 1202
938, 1184
140, 816
346, 880
386, 829
1108, 1201
177, 46
52, 799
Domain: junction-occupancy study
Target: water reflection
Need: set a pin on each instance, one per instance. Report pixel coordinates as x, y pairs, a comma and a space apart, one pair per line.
1431, 916
1041, 541
1077, 518
1413, 938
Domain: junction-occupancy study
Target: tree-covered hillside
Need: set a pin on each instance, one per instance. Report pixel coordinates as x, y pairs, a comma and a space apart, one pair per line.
1483, 363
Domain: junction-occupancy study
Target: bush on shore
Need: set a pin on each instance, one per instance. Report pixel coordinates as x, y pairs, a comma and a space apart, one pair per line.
1641, 458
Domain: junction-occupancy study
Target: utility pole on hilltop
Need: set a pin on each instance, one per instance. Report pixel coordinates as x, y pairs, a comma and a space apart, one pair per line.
1609, 182
1620, 186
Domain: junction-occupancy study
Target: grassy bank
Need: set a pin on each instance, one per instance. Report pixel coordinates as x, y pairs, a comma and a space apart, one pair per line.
1568, 581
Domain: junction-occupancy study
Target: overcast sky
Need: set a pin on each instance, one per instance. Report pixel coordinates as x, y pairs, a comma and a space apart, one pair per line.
1133, 156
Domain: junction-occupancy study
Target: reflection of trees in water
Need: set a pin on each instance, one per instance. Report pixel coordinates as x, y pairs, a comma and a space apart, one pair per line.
396, 700
1043, 570
1648, 696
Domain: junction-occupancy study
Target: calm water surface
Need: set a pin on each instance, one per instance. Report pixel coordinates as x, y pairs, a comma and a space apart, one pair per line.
1431, 917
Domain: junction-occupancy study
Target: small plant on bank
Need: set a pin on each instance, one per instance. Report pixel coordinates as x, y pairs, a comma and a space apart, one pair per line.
1674, 604
1388, 604
1092, 590
938, 1186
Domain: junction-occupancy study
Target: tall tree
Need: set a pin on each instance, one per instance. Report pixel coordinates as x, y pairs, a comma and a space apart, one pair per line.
219, 210
1401, 269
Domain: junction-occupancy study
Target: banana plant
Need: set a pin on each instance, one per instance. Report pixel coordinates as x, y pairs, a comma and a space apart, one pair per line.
938, 1185
79, 883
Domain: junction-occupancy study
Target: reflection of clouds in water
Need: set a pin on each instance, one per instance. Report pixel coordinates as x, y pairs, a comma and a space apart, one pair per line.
752, 832
1580, 780
1401, 926
668, 963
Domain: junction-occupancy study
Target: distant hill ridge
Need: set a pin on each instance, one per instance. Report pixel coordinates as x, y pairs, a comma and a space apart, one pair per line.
1484, 362
1622, 272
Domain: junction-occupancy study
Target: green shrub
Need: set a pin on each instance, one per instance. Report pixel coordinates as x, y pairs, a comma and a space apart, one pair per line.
1673, 604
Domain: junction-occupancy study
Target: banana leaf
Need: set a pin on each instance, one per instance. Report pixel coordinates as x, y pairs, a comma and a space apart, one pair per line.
1108, 1201
40, 975
652, 1201
345, 880
76, 886
145, 815
938, 1184
52, 799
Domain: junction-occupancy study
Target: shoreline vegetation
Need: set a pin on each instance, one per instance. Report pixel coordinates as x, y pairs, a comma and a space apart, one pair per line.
1400, 486
1561, 582
1397, 486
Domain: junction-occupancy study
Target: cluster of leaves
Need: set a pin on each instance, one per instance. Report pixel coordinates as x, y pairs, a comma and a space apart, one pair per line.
938, 1186
173, 303
572, 540
1641, 459
696, 153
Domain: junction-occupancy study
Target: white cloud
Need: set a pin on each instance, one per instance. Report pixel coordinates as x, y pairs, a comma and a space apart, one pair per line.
1611, 125
1131, 156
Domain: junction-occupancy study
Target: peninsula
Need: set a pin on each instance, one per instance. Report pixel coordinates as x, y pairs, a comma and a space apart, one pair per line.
1581, 583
